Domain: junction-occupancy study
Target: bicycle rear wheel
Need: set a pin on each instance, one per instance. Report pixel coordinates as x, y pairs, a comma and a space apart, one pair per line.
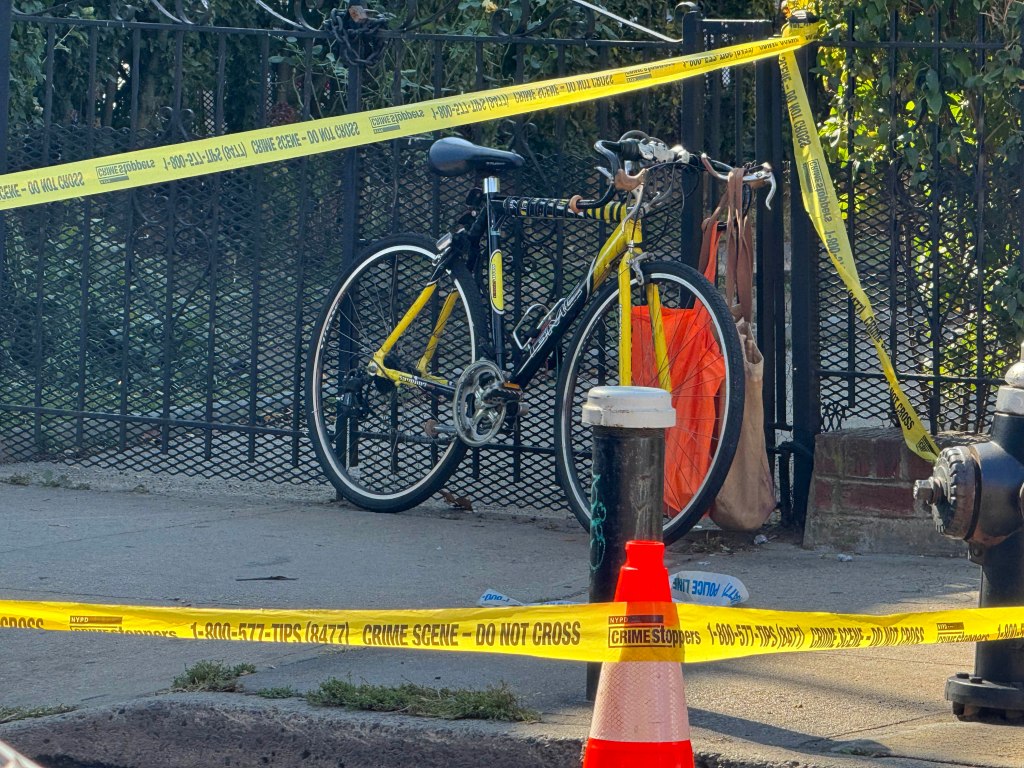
387, 446
707, 389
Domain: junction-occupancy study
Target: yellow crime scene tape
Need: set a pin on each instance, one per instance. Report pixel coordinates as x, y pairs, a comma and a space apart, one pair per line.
633, 631
598, 632
268, 145
240, 150
822, 205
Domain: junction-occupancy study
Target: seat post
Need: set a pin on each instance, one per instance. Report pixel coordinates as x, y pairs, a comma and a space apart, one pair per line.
495, 279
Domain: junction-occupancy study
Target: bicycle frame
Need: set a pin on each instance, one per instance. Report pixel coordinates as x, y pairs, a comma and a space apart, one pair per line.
621, 248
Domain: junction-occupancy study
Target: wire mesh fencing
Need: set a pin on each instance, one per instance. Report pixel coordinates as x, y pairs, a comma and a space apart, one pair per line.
166, 328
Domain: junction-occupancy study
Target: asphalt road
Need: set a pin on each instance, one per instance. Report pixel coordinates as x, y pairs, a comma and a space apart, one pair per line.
826, 709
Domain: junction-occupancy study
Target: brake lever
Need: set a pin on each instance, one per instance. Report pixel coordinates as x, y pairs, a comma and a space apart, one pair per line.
771, 194
763, 175
753, 179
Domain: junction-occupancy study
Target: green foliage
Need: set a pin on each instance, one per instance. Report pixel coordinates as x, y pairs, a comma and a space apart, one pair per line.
936, 133
1007, 299
492, 703
924, 105
211, 676
302, 73
12, 714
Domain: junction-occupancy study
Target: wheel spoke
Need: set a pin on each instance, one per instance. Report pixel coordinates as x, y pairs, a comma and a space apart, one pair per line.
703, 355
393, 463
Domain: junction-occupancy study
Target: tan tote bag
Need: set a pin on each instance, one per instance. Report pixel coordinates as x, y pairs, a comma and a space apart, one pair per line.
747, 497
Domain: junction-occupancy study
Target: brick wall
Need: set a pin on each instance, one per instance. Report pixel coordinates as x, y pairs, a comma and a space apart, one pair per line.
861, 495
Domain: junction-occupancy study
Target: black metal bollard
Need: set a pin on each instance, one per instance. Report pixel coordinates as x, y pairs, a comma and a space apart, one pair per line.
976, 493
626, 493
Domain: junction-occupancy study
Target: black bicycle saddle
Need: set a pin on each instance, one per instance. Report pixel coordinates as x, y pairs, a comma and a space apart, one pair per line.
456, 157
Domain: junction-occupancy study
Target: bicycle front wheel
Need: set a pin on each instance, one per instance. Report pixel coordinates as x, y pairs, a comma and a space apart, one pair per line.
706, 369
386, 445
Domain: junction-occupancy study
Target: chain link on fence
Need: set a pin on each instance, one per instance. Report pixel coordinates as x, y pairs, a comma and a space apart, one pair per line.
165, 328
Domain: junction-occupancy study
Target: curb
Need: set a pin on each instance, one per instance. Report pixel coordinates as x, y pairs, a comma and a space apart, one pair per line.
243, 731
200, 730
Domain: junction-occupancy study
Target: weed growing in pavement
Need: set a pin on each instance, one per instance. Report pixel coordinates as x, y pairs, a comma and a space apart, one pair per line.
211, 676
492, 703
10, 714
281, 692
49, 480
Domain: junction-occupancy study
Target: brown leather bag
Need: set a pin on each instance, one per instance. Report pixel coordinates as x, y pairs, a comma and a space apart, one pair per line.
747, 496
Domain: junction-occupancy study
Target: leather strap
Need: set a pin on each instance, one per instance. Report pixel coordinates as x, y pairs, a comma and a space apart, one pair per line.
739, 248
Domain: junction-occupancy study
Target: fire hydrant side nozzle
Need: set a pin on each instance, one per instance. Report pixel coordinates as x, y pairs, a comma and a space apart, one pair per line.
976, 493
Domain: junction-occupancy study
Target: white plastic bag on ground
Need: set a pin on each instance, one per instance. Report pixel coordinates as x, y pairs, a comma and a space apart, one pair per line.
702, 587
706, 588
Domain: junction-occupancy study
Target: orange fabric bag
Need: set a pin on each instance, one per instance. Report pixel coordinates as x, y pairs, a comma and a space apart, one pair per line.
698, 372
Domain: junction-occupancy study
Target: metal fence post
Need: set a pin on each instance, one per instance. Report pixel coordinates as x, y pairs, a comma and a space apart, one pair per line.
626, 493
350, 174
771, 270
691, 129
6, 30
806, 389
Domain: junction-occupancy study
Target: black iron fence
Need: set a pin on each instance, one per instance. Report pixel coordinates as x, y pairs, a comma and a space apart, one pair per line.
924, 112
165, 328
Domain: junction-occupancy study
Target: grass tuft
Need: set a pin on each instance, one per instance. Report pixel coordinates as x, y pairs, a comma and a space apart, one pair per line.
49, 480
10, 714
211, 676
493, 703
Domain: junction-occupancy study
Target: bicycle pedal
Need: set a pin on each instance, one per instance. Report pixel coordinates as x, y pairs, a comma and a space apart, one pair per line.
515, 412
433, 428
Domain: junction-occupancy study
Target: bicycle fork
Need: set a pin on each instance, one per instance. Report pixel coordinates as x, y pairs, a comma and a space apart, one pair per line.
630, 262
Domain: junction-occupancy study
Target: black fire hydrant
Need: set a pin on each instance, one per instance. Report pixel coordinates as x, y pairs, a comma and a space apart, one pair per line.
976, 493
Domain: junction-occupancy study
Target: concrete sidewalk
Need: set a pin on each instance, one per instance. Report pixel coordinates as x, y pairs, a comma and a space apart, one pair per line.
193, 544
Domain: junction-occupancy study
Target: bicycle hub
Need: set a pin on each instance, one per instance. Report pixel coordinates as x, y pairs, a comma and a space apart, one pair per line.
976, 493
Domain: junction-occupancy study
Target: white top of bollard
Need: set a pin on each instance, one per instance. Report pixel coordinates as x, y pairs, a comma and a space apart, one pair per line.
629, 407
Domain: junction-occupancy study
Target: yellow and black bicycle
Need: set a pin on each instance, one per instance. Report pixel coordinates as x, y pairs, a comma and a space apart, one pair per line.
407, 367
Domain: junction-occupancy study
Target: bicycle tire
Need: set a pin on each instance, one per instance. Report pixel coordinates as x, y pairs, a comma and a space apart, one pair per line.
592, 360
372, 437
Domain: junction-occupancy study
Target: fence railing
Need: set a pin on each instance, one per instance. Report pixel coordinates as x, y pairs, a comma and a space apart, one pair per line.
165, 328
927, 133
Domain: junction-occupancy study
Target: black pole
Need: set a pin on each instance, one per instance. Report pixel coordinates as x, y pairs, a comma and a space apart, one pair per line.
691, 130
6, 30
350, 174
806, 395
627, 490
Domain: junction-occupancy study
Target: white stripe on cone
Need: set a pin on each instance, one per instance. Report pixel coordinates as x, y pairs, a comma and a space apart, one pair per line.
641, 701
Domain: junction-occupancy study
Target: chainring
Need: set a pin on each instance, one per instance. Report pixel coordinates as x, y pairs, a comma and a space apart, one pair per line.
478, 414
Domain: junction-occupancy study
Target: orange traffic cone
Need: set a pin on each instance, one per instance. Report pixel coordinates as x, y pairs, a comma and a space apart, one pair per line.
640, 718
